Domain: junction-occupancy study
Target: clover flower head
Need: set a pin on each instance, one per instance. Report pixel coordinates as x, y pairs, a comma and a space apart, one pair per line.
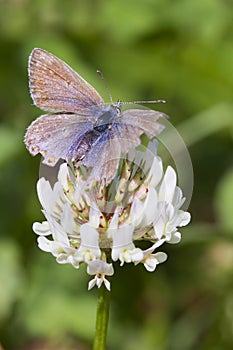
97, 224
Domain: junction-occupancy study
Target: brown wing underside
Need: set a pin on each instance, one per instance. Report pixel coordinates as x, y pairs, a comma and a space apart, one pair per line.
55, 86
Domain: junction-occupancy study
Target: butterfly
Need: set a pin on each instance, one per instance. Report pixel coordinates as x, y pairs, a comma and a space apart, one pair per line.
81, 129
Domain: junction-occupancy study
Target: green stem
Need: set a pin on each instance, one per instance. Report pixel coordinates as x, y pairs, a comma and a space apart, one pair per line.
102, 316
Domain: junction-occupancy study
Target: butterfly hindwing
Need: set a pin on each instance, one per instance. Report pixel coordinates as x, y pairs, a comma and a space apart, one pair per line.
53, 135
104, 156
122, 136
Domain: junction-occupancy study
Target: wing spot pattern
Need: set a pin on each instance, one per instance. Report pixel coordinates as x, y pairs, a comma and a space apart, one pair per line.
51, 159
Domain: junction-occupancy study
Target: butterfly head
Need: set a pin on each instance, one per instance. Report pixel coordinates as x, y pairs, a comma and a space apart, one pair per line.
109, 114
116, 108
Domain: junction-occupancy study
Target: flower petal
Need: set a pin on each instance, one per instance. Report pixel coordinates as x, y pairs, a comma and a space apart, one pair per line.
168, 185
41, 229
89, 247
136, 213
155, 173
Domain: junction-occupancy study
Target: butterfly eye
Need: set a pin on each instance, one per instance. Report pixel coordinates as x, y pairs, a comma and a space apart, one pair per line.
117, 108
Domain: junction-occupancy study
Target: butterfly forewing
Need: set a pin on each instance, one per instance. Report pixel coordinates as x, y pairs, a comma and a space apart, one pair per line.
55, 86
53, 134
143, 121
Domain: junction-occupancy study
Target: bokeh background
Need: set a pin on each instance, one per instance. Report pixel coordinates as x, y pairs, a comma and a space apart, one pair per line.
179, 50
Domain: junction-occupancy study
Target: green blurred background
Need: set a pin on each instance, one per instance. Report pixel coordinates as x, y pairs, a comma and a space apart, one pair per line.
181, 51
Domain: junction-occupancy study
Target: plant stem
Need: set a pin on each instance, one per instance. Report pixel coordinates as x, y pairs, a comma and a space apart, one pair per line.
102, 316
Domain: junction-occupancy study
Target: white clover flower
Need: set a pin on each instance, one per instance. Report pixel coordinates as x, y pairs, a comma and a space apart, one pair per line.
97, 224
123, 247
99, 268
150, 260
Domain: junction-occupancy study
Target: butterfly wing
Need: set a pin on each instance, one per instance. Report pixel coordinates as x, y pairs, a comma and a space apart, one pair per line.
52, 135
104, 156
143, 121
55, 86
124, 135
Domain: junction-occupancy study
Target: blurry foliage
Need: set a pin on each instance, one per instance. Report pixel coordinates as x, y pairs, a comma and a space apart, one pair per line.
181, 51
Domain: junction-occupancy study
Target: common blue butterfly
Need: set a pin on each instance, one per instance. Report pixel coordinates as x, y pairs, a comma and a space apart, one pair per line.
81, 128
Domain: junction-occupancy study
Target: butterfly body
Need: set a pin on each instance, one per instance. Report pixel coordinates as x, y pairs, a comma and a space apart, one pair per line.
110, 114
80, 127
103, 125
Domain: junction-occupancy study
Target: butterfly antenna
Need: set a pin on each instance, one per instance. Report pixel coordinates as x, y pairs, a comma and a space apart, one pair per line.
151, 101
105, 84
